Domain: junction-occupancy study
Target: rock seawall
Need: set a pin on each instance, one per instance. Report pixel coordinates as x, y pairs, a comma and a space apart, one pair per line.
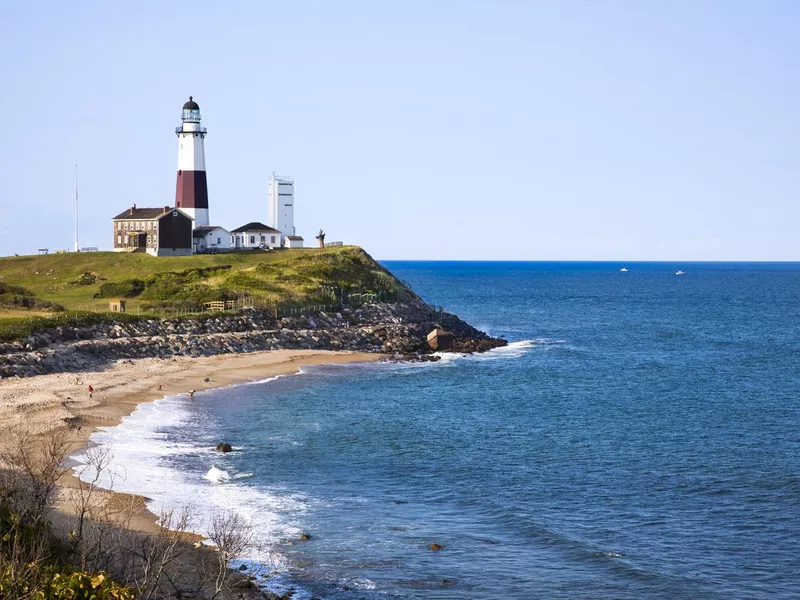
397, 329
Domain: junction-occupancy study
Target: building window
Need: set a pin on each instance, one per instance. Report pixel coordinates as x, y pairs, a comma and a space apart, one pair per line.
263, 238
119, 240
219, 241
126, 226
252, 239
272, 239
148, 240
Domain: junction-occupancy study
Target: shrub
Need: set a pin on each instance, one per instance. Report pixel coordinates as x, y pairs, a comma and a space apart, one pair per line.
87, 278
243, 281
13, 296
187, 287
128, 288
79, 585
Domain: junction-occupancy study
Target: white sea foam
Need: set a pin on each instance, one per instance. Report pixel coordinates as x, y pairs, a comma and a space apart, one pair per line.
547, 341
216, 475
360, 583
512, 350
142, 461
257, 381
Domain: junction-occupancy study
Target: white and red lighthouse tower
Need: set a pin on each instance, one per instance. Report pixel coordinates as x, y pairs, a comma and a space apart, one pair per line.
191, 193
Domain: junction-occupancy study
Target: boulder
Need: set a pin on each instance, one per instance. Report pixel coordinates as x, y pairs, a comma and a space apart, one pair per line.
439, 339
224, 447
434, 546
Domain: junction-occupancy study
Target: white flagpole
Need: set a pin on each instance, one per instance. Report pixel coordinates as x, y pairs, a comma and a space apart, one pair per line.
76, 208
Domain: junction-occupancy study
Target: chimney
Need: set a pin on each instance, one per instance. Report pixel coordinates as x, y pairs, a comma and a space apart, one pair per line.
166, 209
133, 209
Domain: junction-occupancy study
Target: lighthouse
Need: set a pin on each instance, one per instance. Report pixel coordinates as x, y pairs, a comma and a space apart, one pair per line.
191, 193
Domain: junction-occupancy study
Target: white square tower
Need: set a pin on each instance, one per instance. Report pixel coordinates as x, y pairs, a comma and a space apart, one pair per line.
281, 205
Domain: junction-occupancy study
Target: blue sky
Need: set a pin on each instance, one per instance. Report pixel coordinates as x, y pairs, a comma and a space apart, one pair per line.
594, 130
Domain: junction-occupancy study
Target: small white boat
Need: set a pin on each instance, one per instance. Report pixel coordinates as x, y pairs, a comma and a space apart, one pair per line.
624, 269
680, 273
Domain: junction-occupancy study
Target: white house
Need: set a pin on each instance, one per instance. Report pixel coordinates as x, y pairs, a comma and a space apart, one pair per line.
210, 238
293, 241
255, 235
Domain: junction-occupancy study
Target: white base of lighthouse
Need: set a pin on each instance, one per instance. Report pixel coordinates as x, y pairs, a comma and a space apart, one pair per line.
198, 215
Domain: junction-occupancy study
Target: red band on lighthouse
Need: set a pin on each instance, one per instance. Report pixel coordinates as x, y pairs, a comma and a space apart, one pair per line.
192, 190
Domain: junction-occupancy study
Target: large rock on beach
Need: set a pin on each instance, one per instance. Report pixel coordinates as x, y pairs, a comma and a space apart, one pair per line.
224, 447
440, 340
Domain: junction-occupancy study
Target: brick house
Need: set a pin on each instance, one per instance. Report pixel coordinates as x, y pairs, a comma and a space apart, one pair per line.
158, 231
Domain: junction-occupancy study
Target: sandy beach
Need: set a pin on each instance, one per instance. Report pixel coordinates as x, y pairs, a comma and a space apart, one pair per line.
61, 402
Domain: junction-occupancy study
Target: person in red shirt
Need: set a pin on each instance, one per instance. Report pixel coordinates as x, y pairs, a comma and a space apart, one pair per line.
91, 391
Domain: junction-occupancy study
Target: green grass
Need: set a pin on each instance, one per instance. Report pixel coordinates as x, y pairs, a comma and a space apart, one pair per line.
85, 281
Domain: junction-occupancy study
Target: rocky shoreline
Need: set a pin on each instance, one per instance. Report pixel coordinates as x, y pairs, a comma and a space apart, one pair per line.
397, 329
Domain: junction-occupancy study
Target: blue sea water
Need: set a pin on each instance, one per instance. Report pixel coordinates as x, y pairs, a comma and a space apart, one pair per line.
639, 438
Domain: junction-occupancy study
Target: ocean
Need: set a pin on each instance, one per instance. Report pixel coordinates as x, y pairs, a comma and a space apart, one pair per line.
638, 438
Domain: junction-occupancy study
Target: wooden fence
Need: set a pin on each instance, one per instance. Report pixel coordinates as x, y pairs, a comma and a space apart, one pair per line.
338, 299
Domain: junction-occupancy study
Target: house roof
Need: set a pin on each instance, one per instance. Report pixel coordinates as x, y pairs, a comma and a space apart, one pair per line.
295, 238
254, 226
204, 230
142, 213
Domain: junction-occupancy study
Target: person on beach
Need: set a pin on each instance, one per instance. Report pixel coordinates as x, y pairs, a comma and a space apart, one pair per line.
191, 394
91, 391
